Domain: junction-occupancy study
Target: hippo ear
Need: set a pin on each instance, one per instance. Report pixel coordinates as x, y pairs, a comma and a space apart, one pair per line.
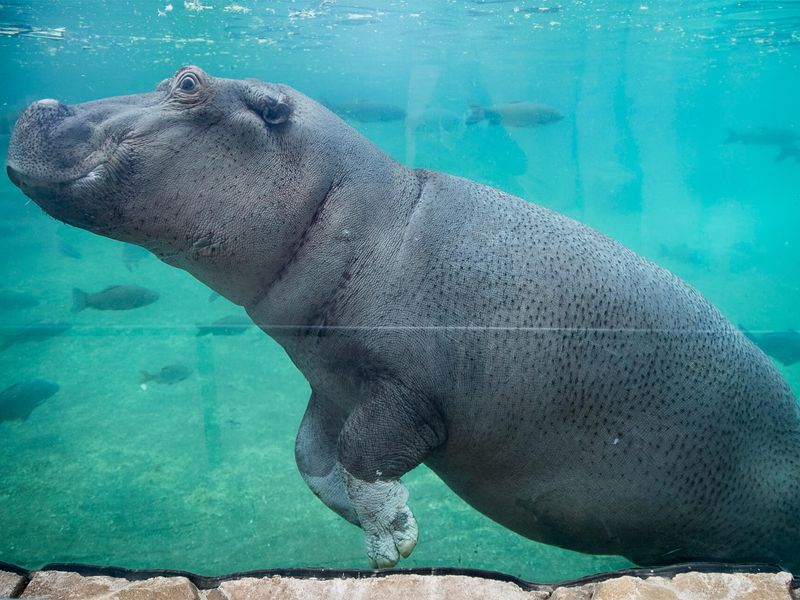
274, 110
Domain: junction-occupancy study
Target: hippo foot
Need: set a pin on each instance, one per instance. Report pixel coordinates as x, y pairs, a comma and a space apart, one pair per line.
390, 529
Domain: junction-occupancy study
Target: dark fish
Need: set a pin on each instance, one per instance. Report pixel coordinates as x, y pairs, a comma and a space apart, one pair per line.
514, 114
788, 152
367, 112
213, 296
762, 136
35, 332
167, 375
783, 346
132, 254
11, 300
18, 401
67, 249
116, 297
232, 325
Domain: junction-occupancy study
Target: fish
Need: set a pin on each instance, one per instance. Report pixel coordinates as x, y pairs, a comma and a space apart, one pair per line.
514, 114
33, 332
366, 111
788, 152
213, 296
132, 254
231, 325
68, 250
115, 297
166, 375
18, 401
11, 300
783, 346
762, 136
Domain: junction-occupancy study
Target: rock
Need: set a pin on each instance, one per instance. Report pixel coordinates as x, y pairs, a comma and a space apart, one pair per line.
583, 592
391, 587
10, 584
60, 585
708, 586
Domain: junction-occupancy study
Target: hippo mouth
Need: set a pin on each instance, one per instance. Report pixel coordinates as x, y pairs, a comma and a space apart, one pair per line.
71, 200
31, 183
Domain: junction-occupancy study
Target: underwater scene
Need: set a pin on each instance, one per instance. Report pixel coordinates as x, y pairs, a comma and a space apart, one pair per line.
146, 422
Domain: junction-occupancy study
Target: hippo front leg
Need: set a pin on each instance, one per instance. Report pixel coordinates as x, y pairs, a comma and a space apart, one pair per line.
315, 453
382, 439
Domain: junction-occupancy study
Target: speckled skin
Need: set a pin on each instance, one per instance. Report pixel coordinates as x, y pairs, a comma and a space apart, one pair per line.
561, 384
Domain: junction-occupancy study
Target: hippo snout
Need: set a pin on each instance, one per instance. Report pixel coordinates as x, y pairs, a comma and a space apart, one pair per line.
49, 144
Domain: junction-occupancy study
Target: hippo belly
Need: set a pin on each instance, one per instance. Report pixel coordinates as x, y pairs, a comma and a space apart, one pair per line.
591, 396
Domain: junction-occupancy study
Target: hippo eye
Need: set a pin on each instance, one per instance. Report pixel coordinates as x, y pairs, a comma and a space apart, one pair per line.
188, 83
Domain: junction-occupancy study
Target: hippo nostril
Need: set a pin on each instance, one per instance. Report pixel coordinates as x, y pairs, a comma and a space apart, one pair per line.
14, 175
48, 109
49, 102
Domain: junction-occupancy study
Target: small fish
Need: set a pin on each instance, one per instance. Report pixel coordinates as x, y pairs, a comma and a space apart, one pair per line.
116, 297
33, 332
762, 136
514, 114
213, 296
166, 375
132, 254
68, 250
11, 300
783, 346
232, 325
18, 401
366, 111
788, 152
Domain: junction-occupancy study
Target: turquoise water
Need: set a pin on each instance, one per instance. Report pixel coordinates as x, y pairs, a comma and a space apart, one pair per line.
200, 474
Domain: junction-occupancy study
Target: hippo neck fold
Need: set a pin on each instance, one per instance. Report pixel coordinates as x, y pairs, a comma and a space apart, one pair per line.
363, 213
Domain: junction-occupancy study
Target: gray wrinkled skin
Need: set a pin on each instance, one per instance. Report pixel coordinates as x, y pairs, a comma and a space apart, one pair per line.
559, 383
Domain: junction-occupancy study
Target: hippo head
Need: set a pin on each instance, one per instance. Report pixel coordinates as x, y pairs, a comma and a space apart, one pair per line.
200, 172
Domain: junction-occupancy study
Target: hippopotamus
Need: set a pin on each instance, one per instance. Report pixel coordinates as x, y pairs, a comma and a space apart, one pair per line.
558, 382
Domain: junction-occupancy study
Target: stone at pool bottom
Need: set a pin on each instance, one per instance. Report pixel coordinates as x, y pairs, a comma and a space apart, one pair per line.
10, 583
60, 585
